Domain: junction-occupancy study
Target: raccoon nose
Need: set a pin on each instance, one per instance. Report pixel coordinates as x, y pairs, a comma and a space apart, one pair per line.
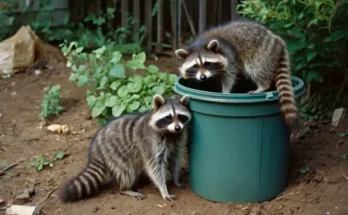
203, 77
177, 128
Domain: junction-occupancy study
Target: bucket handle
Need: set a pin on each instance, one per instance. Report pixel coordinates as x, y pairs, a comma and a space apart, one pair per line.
269, 95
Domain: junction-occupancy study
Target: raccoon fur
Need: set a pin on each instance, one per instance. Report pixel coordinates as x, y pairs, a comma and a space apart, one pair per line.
152, 143
242, 48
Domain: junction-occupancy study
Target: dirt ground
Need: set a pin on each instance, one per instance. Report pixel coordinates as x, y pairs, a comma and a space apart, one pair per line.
320, 191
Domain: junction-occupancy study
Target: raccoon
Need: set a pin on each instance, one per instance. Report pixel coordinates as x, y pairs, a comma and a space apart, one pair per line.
246, 48
152, 143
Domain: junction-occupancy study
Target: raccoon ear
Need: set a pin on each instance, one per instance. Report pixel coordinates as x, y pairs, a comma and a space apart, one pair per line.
184, 100
213, 46
158, 101
182, 53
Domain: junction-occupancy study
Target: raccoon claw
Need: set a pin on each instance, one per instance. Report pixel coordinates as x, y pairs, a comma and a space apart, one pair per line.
140, 196
180, 186
251, 92
170, 197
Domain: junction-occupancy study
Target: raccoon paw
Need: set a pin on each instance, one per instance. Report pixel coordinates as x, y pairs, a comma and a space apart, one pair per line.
252, 92
169, 197
180, 186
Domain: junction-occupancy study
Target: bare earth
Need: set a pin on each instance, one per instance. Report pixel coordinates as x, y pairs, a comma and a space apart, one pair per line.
322, 190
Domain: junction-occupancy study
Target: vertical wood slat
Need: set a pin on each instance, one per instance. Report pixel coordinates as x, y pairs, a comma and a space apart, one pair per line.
179, 23
148, 24
202, 16
173, 13
219, 11
136, 15
159, 25
124, 12
234, 15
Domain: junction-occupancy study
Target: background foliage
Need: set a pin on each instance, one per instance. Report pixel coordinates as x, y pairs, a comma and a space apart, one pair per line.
316, 33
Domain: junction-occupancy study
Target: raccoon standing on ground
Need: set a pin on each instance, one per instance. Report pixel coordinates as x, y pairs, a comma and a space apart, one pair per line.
242, 47
133, 144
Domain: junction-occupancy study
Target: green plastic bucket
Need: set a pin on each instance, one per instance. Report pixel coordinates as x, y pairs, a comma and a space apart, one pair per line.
239, 144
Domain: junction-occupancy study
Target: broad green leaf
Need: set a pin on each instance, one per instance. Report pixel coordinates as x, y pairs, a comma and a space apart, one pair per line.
111, 101
336, 35
311, 55
91, 100
117, 110
59, 154
158, 90
314, 75
117, 71
73, 77
313, 22
141, 57
134, 87
152, 69
138, 79
115, 84
122, 91
98, 108
40, 167
83, 80
172, 78
134, 106
103, 81
116, 57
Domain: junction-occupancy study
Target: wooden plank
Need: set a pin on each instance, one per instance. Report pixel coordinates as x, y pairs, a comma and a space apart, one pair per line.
234, 15
202, 16
219, 11
136, 15
159, 26
148, 25
173, 18
124, 12
179, 20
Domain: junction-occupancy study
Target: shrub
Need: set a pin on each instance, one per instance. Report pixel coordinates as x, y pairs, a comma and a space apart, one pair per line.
118, 86
316, 34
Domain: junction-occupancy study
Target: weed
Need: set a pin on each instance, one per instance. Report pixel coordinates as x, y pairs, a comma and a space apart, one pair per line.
50, 105
115, 92
40, 161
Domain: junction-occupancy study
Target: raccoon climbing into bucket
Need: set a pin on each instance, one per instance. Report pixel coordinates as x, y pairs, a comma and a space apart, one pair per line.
242, 48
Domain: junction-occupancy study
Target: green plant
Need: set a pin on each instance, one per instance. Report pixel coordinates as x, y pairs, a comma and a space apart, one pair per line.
40, 161
118, 86
316, 34
50, 105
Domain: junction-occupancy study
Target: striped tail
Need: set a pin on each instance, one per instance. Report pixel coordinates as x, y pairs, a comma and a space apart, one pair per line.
285, 90
87, 183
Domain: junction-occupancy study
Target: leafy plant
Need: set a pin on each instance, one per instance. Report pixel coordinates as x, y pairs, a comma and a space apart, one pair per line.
118, 86
316, 34
50, 105
344, 134
40, 161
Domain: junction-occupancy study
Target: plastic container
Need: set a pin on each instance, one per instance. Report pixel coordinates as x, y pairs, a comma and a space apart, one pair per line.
239, 144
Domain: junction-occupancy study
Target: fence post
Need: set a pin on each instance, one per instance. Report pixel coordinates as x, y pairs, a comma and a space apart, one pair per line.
124, 12
179, 23
234, 14
148, 25
202, 15
173, 18
136, 15
159, 25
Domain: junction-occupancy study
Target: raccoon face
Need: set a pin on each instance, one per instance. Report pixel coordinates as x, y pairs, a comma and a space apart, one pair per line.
170, 115
202, 63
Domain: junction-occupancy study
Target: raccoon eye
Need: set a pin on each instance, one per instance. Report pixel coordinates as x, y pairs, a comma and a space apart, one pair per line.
169, 117
183, 118
196, 66
207, 64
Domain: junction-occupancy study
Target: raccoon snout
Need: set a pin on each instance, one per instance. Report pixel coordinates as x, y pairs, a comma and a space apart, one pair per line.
177, 128
203, 77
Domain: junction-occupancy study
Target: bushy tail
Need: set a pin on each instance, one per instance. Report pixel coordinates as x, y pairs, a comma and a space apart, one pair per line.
88, 182
285, 90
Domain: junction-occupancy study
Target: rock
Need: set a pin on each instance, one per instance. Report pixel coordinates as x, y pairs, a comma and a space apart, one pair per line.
337, 116
24, 196
37, 72
20, 210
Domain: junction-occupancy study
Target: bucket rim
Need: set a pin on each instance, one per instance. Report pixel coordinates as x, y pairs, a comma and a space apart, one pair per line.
298, 87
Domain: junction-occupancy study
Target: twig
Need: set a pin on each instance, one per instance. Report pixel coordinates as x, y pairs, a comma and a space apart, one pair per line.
7, 168
345, 176
190, 22
48, 195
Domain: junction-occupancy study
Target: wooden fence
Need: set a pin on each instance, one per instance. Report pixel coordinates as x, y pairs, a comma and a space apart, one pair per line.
177, 18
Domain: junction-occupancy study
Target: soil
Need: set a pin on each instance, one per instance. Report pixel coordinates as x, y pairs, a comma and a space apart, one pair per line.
316, 147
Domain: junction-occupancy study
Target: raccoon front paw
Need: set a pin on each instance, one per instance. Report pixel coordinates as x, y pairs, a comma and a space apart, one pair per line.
252, 92
180, 186
169, 197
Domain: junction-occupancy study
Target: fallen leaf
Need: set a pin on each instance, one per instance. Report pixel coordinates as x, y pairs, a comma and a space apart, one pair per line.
160, 206
61, 129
